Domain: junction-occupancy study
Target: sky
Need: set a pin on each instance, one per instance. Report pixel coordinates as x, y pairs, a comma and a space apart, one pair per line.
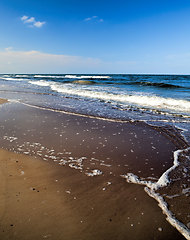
95, 36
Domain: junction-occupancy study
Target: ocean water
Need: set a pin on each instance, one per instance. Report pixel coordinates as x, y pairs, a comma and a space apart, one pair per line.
162, 100
158, 100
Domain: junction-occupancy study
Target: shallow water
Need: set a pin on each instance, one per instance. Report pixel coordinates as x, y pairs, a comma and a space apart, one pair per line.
161, 100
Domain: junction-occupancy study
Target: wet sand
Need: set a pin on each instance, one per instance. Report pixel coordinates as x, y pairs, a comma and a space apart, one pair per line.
40, 200
58, 198
3, 100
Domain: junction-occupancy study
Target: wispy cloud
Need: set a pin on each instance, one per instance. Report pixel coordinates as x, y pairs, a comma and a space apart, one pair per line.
31, 21
33, 61
23, 18
90, 18
94, 19
39, 24
8, 49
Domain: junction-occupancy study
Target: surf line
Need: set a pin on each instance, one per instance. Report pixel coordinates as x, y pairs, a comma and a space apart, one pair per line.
75, 114
92, 117
163, 181
151, 187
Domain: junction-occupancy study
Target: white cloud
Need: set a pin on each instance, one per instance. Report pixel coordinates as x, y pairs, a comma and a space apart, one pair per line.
23, 18
39, 62
39, 24
90, 18
31, 21
93, 18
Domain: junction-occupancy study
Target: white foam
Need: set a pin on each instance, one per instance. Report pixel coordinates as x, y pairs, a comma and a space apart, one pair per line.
94, 172
145, 101
47, 76
163, 181
10, 139
21, 76
170, 218
173, 196
40, 83
72, 76
12, 79
154, 102
87, 77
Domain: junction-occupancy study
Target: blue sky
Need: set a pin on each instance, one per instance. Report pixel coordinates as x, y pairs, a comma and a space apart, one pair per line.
71, 36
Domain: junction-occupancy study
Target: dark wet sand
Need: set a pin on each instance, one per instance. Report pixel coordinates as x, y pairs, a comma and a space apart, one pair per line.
45, 200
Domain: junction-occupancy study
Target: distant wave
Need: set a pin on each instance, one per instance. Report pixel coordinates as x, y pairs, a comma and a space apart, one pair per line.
161, 84
21, 76
72, 76
41, 83
87, 77
48, 76
13, 79
87, 82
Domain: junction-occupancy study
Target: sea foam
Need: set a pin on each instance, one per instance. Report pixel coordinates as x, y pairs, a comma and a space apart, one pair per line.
163, 181
145, 101
87, 77
140, 100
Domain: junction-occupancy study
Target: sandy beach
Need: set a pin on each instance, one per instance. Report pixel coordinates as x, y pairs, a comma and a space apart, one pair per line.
61, 177
94, 120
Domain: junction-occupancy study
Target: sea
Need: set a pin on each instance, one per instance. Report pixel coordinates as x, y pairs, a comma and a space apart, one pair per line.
160, 100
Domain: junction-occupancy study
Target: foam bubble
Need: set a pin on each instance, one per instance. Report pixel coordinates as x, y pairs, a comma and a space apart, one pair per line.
94, 172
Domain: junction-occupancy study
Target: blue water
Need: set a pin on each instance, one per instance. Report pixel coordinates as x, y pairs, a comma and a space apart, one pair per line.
162, 100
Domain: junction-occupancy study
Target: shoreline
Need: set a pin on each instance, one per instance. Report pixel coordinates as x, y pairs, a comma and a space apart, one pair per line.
97, 179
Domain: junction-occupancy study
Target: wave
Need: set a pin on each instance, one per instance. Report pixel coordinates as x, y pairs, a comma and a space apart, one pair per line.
86, 82
145, 101
140, 100
41, 83
48, 76
158, 84
21, 76
6, 75
13, 79
87, 77
72, 76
